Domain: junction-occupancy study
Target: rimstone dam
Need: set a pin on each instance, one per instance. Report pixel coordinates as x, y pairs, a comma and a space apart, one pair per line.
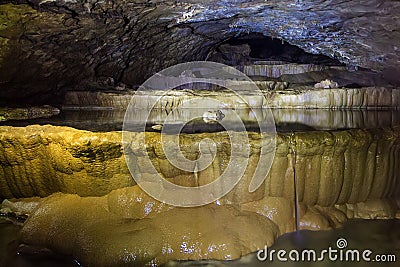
198, 133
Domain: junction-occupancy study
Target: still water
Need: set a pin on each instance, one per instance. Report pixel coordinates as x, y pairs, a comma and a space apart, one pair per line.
286, 120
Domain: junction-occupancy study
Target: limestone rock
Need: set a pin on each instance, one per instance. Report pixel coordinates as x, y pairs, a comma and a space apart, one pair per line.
211, 116
235, 54
332, 167
40, 160
371, 209
276, 71
326, 84
129, 228
278, 209
27, 113
19, 207
304, 97
98, 232
48, 47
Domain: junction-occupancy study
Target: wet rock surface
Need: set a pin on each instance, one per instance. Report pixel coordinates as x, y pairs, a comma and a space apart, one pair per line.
340, 175
50, 46
381, 239
105, 231
49, 159
129, 228
332, 167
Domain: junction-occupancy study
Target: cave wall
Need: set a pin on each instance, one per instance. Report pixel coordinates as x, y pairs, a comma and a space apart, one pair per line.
48, 46
332, 167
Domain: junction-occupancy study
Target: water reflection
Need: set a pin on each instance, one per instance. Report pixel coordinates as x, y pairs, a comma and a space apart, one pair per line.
8, 246
379, 236
285, 119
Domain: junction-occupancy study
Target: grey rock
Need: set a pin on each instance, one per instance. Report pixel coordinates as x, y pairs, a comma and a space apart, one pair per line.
50, 46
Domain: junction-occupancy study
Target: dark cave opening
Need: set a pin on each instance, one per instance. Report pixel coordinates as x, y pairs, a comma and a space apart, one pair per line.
257, 47
256, 51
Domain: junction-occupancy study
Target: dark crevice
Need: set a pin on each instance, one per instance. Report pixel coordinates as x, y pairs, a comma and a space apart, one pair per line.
261, 47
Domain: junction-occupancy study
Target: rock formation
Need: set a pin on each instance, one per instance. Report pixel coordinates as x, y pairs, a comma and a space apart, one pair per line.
114, 230
301, 97
329, 70
48, 47
27, 113
336, 167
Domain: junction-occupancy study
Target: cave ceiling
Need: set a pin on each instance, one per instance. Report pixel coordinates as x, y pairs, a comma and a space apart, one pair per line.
47, 46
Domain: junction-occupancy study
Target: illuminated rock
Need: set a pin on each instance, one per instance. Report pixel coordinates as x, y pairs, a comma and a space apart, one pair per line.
19, 207
326, 84
27, 113
40, 160
304, 97
276, 71
129, 228
332, 167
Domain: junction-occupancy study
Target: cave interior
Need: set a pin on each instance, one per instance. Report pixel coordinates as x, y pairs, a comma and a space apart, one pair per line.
299, 100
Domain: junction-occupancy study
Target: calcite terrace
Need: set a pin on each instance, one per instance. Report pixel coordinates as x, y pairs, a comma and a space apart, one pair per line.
337, 166
114, 230
301, 97
336, 174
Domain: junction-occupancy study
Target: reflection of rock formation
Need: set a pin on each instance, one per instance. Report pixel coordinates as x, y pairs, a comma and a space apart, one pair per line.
285, 119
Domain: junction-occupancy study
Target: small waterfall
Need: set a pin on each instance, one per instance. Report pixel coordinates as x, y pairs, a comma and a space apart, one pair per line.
196, 173
292, 147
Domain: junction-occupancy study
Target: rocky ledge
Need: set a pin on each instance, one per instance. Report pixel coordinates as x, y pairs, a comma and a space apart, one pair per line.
337, 175
129, 228
7, 114
332, 167
301, 97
